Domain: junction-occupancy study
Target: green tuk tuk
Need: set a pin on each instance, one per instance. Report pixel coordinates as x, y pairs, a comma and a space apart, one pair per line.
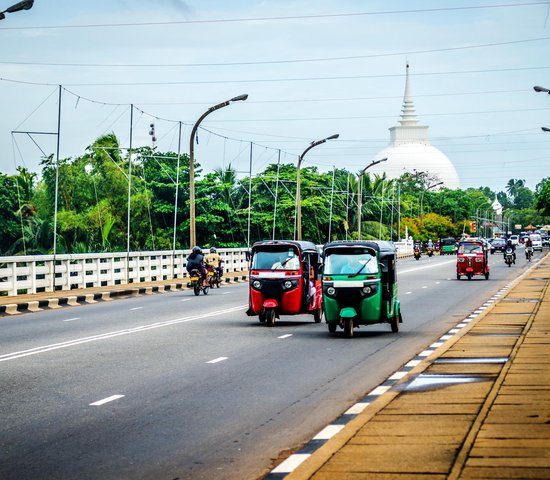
447, 246
360, 285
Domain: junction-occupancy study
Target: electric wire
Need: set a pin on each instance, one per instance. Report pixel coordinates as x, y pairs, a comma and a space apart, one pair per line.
280, 18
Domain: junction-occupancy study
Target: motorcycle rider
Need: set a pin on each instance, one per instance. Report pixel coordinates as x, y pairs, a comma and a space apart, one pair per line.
195, 261
213, 259
528, 245
510, 245
430, 244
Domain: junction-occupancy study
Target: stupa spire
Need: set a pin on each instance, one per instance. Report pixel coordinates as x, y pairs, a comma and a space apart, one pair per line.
408, 113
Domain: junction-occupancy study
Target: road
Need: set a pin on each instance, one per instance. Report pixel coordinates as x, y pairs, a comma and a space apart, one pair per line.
176, 386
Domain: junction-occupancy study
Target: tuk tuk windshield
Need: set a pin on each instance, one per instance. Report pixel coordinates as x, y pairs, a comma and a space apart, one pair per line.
342, 262
470, 248
448, 241
282, 258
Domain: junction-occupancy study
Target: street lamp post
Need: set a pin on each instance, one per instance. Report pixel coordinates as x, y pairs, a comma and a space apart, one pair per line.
360, 193
298, 216
24, 5
540, 89
422, 198
192, 226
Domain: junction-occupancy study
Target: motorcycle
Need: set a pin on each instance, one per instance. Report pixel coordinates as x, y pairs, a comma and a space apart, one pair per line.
509, 257
213, 276
528, 253
417, 253
196, 283
429, 251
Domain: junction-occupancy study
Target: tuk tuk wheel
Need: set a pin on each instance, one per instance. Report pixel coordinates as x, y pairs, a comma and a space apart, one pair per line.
394, 323
318, 314
262, 317
457, 276
331, 327
348, 327
205, 290
196, 289
469, 276
487, 276
270, 316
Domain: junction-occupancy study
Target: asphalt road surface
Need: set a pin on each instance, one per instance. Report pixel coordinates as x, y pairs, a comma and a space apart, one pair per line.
174, 386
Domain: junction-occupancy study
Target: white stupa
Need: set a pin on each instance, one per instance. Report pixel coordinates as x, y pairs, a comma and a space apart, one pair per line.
410, 150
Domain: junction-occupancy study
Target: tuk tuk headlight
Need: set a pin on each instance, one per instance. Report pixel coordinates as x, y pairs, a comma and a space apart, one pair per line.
290, 284
479, 259
256, 284
461, 259
366, 290
331, 291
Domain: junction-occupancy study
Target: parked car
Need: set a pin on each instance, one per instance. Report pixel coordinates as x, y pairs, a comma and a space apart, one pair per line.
545, 240
498, 245
514, 239
537, 241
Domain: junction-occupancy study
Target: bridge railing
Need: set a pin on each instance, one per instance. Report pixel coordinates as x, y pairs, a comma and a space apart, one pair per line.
35, 273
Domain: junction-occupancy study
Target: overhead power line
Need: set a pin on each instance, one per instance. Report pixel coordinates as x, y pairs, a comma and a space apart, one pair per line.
280, 18
268, 62
267, 80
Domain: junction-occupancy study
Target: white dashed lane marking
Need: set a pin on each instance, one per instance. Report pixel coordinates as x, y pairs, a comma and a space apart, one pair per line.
106, 400
286, 336
136, 308
217, 360
71, 319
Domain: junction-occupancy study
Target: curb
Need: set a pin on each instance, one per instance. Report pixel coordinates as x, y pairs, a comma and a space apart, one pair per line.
330, 439
78, 300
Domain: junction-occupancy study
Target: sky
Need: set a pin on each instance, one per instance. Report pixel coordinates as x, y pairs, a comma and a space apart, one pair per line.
311, 69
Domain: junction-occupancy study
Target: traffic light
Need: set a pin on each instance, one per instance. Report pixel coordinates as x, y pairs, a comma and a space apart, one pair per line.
473, 227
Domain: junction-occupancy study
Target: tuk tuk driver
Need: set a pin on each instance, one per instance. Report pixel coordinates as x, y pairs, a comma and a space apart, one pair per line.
355, 264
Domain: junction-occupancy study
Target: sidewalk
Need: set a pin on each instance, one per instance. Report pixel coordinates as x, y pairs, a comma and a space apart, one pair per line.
13, 305
475, 405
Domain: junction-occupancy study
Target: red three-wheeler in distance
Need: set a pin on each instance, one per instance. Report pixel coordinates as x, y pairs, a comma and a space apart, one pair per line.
472, 259
285, 279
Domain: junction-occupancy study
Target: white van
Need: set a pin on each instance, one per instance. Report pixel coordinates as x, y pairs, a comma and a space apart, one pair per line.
514, 239
537, 241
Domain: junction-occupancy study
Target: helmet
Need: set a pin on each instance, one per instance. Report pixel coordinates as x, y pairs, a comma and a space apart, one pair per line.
197, 249
213, 250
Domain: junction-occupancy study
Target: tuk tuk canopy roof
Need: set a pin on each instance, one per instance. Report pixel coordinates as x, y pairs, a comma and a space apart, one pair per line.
351, 244
300, 244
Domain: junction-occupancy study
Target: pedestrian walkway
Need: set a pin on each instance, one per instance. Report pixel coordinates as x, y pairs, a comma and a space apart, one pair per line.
476, 405
13, 305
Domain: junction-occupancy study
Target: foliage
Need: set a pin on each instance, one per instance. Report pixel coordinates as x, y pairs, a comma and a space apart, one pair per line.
93, 204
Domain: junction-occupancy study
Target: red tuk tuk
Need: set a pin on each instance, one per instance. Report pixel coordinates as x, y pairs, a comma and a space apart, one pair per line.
285, 279
472, 259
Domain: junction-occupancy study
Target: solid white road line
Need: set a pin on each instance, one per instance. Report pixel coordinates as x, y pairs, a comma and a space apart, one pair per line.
217, 360
106, 400
104, 336
401, 272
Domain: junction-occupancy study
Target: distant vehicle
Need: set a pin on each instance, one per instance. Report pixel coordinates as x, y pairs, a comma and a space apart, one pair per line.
545, 240
447, 246
537, 241
514, 239
498, 245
